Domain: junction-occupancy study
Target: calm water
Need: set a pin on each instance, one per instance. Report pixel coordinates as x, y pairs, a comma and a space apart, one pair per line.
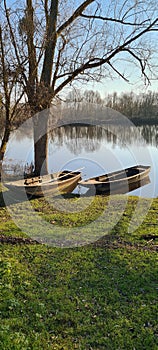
97, 149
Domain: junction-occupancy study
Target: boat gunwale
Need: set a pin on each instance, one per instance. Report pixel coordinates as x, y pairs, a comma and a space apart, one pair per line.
39, 184
91, 181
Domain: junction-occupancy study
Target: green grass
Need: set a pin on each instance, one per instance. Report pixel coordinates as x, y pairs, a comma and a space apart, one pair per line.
98, 296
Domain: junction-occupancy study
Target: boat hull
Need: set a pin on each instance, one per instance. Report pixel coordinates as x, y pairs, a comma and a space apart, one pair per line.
52, 184
118, 181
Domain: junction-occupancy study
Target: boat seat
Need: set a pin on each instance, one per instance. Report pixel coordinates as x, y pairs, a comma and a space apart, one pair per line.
30, 181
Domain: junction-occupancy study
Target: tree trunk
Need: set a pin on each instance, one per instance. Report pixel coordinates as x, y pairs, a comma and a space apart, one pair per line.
40, 123
4, 146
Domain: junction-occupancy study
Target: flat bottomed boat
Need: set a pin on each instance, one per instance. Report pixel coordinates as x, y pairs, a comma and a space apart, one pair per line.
117, 180
52, 184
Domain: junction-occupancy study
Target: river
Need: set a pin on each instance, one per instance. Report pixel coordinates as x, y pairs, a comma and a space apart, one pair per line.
97, 149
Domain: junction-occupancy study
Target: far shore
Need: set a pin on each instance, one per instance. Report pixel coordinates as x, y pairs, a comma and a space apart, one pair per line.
137, 121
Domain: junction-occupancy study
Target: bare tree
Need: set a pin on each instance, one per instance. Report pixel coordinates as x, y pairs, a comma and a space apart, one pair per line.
11, 93
56, 42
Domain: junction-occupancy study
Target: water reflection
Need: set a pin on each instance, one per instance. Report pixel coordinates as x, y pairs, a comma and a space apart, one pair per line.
150, 134
122, 135
87, 138
93, 135
90, 137
108, 148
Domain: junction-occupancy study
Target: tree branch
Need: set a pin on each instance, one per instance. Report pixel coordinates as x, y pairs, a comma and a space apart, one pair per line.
51, 44
13, 40
116, 71
4, 71
75, 15
15, 105
140, 62
110, 19
58, 62
31, 49
46, 12
96, 62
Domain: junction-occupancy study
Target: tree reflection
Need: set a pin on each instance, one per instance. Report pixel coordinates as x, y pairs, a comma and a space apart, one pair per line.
90, 137
150, 134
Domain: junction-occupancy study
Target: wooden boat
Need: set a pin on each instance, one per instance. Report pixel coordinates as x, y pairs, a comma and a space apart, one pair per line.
122, 189
52, 184
117, 181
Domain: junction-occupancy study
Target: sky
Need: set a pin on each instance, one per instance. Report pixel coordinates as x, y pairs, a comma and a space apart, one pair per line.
118, 85
136, 82
132, 72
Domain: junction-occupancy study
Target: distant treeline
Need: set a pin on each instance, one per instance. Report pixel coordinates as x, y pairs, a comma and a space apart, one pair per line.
139, 106
144, 105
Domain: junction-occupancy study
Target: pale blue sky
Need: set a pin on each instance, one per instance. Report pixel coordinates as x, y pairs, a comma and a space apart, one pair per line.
119, 86
133, 73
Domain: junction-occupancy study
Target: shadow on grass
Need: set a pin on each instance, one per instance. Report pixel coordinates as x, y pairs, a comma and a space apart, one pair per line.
9, 198
2, 203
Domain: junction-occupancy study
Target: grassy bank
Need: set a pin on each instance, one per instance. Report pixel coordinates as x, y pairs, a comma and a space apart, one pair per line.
102, 295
